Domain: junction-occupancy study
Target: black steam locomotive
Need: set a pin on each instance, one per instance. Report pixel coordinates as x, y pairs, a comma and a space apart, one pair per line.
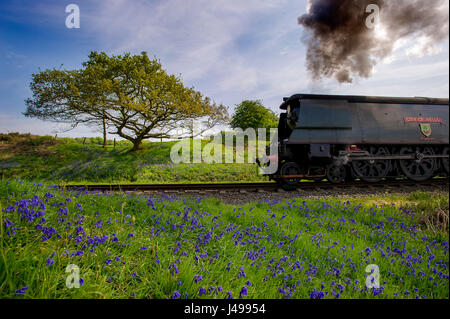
342, 138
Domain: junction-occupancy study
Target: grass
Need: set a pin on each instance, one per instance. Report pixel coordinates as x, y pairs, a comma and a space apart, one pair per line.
64, 160
431, 210
130, 246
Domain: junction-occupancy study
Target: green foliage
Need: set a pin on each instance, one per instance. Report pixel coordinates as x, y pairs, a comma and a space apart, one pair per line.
252, 114
133, 95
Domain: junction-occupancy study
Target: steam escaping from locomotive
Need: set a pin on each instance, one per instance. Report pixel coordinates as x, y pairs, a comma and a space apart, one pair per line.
343, 40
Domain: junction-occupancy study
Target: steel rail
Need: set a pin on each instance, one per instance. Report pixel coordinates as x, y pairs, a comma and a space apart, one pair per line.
239, 187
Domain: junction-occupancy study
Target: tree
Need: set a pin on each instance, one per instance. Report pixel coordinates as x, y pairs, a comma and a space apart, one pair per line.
252, 114
131, 94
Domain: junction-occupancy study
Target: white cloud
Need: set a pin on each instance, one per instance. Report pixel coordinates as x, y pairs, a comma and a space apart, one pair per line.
423, 46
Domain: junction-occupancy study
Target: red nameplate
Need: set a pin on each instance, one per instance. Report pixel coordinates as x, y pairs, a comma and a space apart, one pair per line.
423, 119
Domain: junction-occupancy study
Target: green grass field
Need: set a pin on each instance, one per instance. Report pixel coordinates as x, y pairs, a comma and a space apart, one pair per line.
44, 158
130, 246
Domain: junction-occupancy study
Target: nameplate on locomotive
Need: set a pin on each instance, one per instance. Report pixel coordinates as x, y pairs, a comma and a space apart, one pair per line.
423, 119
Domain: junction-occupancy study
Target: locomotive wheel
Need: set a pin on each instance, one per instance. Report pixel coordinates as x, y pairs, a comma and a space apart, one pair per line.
419, 169
374, 170
445, 160
289, 184
336, 173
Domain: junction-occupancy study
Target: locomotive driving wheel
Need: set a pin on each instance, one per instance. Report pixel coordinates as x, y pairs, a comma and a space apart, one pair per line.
289, 168
419, 169
445, 160
373, 170
336, 173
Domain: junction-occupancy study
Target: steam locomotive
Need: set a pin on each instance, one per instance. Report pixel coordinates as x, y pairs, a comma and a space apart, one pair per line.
342, 138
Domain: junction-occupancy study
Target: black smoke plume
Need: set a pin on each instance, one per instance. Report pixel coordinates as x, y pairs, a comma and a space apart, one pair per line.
341, 45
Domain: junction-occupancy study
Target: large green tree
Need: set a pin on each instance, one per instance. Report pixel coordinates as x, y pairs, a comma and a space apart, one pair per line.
131, 94
253, 114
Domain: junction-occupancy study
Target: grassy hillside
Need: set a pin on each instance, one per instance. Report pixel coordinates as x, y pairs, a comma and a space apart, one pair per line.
130, 246
45, 158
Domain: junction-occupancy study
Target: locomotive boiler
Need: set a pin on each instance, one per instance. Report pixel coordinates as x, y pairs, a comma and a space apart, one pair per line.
342, 138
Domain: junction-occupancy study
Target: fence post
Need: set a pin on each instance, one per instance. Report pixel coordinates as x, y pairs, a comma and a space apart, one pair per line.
84, 140
114, 142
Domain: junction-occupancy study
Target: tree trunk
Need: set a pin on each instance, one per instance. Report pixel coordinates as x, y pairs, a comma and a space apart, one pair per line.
104, 130
137, 145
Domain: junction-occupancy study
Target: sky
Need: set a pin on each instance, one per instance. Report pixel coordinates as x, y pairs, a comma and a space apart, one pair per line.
230, 50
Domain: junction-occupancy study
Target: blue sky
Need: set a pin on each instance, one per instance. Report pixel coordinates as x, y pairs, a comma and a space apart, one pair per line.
229, 50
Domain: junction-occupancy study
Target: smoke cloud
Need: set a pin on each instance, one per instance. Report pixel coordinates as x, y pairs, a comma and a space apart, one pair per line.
345, 41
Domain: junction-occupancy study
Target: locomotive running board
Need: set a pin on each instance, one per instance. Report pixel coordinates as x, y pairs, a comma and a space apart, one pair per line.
359, 157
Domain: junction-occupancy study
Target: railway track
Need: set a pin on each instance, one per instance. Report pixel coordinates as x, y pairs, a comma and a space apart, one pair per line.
246, 187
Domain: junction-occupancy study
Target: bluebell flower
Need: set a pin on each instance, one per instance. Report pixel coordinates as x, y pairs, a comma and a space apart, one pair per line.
243, 292
174, 269
21, 290
176, 295
202, 291
316, 294
198, 278
241, 272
